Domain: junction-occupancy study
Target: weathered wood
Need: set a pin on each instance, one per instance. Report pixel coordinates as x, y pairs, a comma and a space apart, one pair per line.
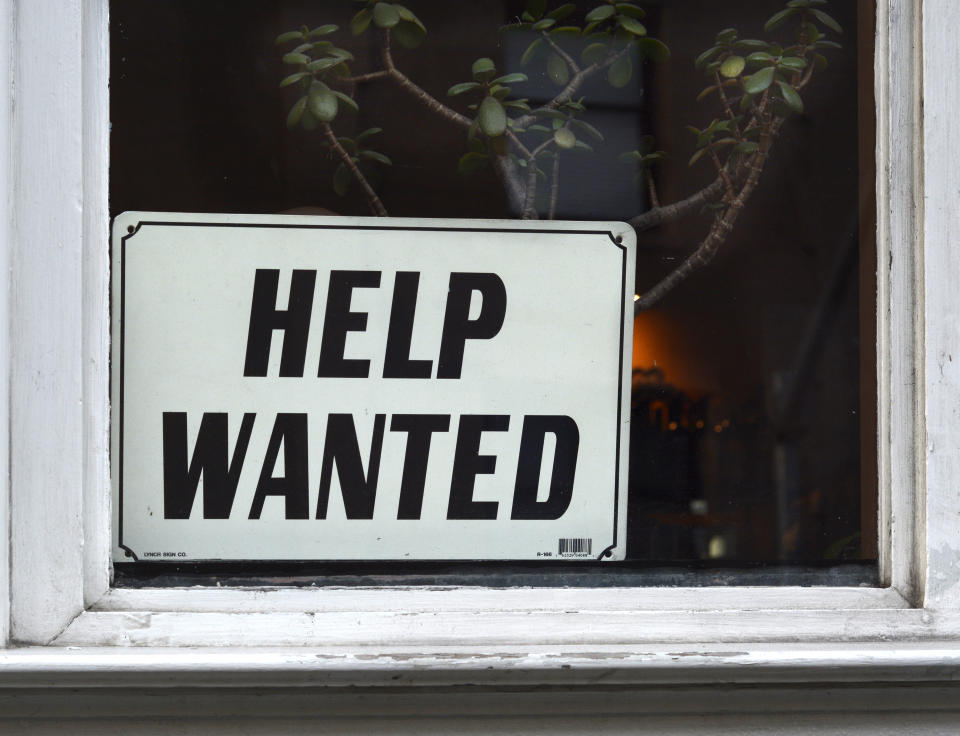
941, 228
46, 321
96, 305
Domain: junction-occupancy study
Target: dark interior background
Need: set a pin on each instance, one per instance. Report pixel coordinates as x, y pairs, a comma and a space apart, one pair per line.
782, 317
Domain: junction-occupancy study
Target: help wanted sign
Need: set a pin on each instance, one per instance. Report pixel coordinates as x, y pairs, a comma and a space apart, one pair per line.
305, 388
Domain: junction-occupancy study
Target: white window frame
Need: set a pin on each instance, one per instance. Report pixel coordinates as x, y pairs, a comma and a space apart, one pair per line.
68, 626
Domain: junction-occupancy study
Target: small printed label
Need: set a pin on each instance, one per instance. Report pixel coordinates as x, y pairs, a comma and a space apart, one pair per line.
575, 547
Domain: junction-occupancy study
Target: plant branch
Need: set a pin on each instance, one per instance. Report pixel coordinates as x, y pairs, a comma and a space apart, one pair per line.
567, 93
561, 53
669, 212
719, 231
652, 189
554, 188
421, 94
529, 202
722, 171
726, 104
372, 199
382, 74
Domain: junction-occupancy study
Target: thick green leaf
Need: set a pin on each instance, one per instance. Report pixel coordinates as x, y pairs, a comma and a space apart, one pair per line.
727, 36
631, 157
778, 19
322, 102
349, 144
471, 162
295, 59
632, 25
747, 148
296, 113
536, 7
289, 36
500, 92
540, 128
409, 35
827, 20
307, 120
564, 139
620, 72
588, 129
510, 78
697, 156
347, 100
566, 32
530, 52
367, 133
361, 21
600, 13
517, 105
594, 53
562, 12
813, 33
459, 89
492, 117
707, 56
341, 54
792, 64
557, 70
706, 92
759, 57
378, 157
341, 180
634, 11
732, 66
483, 69
325, 30
825, 44
581, 147
749, 44
547, 112
654, 49
791, 97
321, 65
544, 24
758, 82
821, 62
385, 15
408, 15
294, 78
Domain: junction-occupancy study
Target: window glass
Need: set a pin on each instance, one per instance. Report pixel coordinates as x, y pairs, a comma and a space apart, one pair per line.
753, 407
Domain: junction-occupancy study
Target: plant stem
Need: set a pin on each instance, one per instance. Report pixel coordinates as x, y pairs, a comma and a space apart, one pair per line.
669, 212
554, 187
567, 93
652, 189
561, 53
529, 202
719, 231
726, 105
372, 199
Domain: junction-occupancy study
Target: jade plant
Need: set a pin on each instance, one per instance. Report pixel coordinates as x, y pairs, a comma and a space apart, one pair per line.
752, 87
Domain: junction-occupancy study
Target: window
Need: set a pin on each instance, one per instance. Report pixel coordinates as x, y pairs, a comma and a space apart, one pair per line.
751, 436
59, 588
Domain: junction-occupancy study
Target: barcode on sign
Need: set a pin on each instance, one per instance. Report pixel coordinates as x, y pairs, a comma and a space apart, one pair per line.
579, 546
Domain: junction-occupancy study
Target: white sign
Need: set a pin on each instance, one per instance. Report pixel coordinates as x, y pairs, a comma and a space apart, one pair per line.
334, 388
